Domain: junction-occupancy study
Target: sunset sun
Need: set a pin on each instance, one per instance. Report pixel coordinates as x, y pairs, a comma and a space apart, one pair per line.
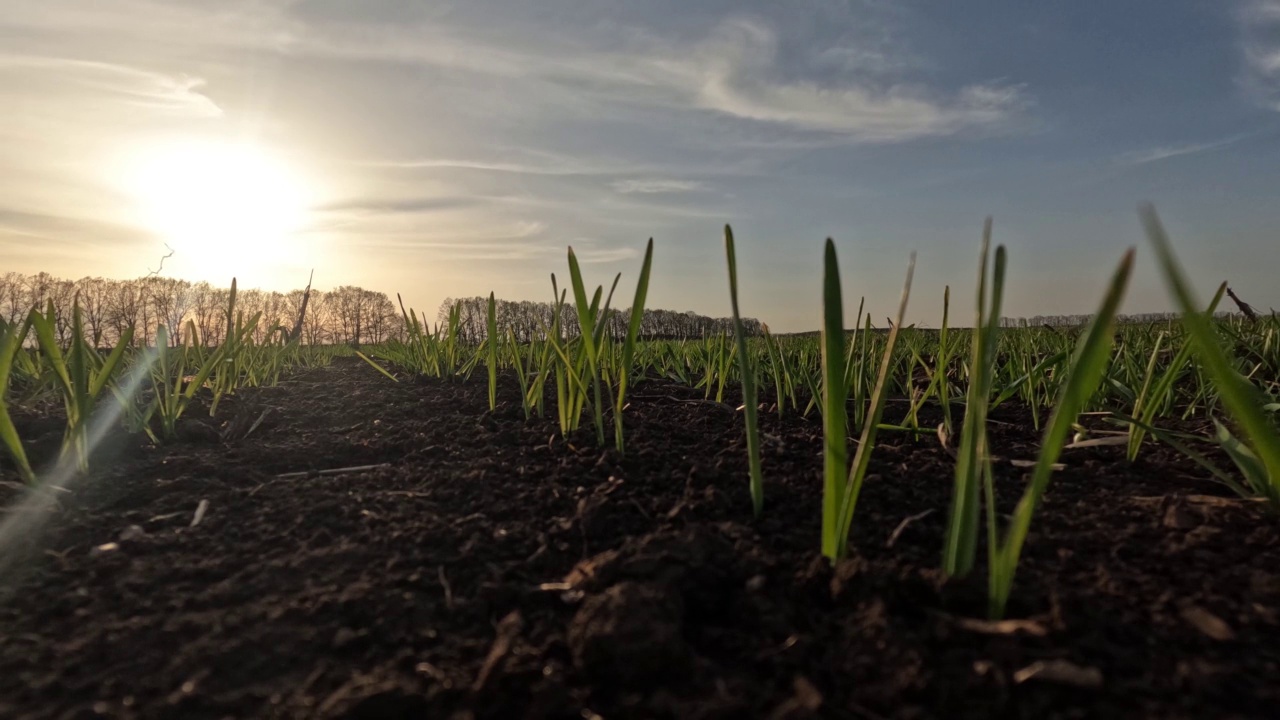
222, 206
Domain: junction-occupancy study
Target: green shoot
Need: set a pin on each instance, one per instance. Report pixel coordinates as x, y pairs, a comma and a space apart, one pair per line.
1088, 363
972, 462
629, 345
835, 445
1155, 396
174, 390
748, 374
81, 375
491, 352
11, 339
867, 442
943, 362
1241, 397
842, 484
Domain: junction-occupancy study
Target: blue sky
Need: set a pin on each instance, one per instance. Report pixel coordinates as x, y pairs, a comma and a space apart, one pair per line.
453, 149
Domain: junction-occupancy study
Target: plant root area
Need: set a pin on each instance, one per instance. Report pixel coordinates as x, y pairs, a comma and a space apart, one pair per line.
487, 567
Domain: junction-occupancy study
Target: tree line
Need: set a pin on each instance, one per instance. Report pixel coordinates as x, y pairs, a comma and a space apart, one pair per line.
527, 321
1065, 321
344, 315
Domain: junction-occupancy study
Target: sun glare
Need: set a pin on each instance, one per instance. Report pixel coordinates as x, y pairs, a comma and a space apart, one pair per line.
223, 208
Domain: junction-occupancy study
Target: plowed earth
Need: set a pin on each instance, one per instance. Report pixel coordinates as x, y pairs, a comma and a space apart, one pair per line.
489, 568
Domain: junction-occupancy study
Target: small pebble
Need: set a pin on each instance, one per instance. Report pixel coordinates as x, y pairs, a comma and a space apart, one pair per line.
133, 532
344, 637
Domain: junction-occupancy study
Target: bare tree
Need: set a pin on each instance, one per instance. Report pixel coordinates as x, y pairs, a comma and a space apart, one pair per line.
94, 304
124, 308
13, 302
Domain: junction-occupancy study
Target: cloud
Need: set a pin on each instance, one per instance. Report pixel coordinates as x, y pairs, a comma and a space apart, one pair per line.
578, 164
1260, 11
376, 206
589, 254
737, 73
1259, 22
853, 88
456, 238
35, 233
738, 70
484, 166
134, 88
1164, 152
655, 186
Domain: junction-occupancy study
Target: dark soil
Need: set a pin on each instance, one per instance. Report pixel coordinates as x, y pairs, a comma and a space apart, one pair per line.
492, 569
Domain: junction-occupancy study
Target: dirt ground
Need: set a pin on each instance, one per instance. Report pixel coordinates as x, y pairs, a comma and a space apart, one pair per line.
488, 568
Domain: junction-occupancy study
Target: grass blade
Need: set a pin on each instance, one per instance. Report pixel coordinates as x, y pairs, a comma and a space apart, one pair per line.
835, 448
962, 525
747, 372
1241, 398
629, 344
11, 339
1088, 364
862, 457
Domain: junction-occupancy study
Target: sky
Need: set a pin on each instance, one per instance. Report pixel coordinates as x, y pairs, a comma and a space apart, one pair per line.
451, 149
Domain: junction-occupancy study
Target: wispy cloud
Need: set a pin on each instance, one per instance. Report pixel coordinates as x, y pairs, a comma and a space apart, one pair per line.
737, 72
134, 87
854, 90
557, 165
1164, 152
499, 167
589, 252
655, 186
63, 234
460, 238
374, 205
1260, 45
522, 241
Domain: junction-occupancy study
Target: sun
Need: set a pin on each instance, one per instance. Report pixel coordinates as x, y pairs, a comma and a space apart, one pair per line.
222, 207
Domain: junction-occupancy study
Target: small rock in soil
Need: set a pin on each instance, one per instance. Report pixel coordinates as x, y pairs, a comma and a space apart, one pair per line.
133, 532
1061, 672
344, 637
1207, 623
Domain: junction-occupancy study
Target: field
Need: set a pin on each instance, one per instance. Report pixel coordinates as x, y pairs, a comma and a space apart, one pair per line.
889, 522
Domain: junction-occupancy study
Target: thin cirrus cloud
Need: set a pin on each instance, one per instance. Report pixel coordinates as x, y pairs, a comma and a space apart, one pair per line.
1165, 152
518, 241
460, 237
59, 235
1260, 44
560, 165
488, 166
657, 186
377, 206
86, 82
736, 72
